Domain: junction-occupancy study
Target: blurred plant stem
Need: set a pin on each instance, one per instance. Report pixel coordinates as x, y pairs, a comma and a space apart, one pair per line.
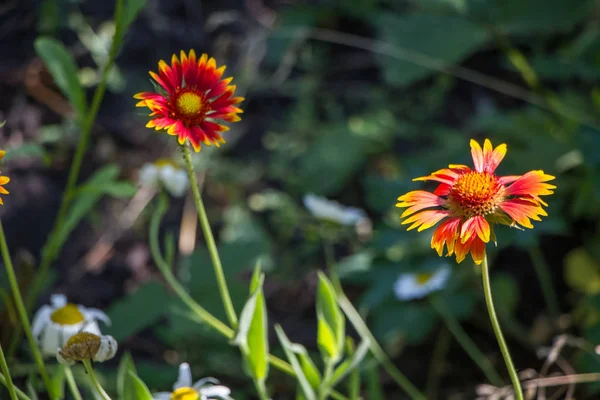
363, 330
9, 383
326, 383
545, 278
487, 290
440, 351
261, 389
22, 311
210, 240
20, 394
200, 311
55, 242
71, 383
87, 363
466, 342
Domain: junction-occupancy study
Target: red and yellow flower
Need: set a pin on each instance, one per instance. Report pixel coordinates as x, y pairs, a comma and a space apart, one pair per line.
471, 201
193, 100
3, 179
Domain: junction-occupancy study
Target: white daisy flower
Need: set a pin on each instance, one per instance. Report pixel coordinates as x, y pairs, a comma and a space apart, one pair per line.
204, 389
87, 346
54, 324
417, 286
330, 210
166, 174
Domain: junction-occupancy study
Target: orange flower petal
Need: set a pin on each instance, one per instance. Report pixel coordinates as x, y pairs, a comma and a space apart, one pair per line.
446, 234
425, 219
475, 226
477, 154
531, 184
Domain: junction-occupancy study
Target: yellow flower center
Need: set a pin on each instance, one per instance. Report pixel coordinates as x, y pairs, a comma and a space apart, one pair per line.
475, 193
67, 315
163, 162
81, 346
424, 278
185, 393
190, 104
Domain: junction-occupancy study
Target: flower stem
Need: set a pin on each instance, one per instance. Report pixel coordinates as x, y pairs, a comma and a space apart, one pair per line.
487, 290
20, 394
55, 242
202, 313
466, 342
261, 389
326, 384
210, 240
440, 351
88, 367
9, 383
10, 272
71, 382
542, 271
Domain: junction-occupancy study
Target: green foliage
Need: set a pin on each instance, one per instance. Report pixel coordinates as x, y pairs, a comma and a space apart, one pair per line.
331, 328
126, 388
303, 381
63, 69
582, 272
141, 391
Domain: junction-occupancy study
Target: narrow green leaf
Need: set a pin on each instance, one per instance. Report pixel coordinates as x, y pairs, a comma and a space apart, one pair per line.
125, 388
130, 11
331, 329
348, 365
308, 366
141, 390
57, 379
120, 189
63, 69
307, 389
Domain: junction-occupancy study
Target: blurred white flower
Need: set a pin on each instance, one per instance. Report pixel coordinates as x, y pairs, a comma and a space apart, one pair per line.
330, 210
204, 389
166, 174
87, 346
54, 324
416, 286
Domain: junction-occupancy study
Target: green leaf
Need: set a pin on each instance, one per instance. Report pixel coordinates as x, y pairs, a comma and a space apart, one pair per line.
125, 387
305, 385
115, 189
348, 365
26, 150
63, 69
424, 41
331, 329
57, 381
252, 335
308, 366
131, 8
138, 310
141, 390
582, 273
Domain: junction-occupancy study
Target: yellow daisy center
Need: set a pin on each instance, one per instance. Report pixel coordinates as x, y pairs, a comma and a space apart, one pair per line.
475, 193
190, 104
67, 315
185, 393
423, 278
163, 162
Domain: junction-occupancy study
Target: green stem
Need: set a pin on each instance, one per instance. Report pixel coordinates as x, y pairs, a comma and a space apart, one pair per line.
467, 343
261, 389
88, 367
204, 315
543, 273
54, 244
12, 278
210, 240
9, 383
487, 290
326, 383
376, 349
20, 394
440, 351
71, 382
354, 384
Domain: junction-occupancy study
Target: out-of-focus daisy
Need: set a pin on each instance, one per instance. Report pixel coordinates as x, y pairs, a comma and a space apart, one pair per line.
333, 211
87, 346
167, 174
192, 100
417, 286
472, 201
54, 324
3, 179
204, 389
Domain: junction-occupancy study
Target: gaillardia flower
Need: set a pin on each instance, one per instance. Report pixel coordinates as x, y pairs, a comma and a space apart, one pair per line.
472, 200
3, 179
192, 100
54, 324
204, 389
